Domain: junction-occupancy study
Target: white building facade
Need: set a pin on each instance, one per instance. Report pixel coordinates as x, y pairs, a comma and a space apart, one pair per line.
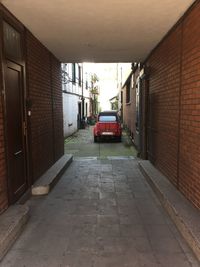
76, 96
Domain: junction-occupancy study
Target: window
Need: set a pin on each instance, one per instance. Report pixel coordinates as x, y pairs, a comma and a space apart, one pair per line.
73, 72
107, 118
79, 75
12, 42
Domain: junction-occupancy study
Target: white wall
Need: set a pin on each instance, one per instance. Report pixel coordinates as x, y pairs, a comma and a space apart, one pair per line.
70, 112
87, 113
72, 95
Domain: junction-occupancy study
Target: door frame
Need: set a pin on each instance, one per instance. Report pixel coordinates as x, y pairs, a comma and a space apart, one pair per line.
6, 16
22, 188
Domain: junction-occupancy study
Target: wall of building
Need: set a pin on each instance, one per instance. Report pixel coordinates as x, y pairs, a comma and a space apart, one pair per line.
43, 92
170, 105
70, 111
189, 152
72, 96
39, 91
129, 111
57, 107
174, 97
164, 90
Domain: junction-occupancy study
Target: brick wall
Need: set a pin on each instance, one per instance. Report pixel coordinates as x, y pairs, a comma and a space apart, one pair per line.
127, 114
144, 112
45, 125
44, 91
133, 108
129, 110
174, 111
57, 108
164, 86
189, 171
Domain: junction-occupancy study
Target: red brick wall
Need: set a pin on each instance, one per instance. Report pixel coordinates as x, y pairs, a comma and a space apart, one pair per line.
133, 108
57, 108
45, 126
127, 114
189, 171
144, 126
44, 91
129, 111
174, 94
164, 86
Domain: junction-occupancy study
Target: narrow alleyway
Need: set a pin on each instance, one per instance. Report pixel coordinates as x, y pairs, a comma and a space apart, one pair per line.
102, 213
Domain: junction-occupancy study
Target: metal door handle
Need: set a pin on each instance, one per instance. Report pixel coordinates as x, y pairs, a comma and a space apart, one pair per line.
18, 152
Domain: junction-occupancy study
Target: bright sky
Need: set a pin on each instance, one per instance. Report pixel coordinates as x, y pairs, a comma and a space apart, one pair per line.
109, 75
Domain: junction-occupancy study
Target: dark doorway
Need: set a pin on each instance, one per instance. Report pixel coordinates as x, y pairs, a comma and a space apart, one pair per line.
15, 130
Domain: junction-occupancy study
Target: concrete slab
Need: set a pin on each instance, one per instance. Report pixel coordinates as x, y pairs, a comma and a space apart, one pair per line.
45, 183
12, 223
183, 213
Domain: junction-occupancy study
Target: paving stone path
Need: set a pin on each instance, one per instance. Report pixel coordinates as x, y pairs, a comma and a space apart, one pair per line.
102, 213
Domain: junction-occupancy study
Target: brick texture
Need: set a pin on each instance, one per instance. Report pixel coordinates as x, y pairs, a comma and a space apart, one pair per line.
44, 91
189, 171
57, 108
45, 125
129, 110
174, 106
164, 88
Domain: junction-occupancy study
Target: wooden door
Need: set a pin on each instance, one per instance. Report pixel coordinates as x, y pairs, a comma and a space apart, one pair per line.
15, 131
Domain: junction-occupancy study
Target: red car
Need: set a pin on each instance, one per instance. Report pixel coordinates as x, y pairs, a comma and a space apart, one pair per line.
108, 125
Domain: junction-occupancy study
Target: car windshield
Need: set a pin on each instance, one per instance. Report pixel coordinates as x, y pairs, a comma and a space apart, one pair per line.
107, 118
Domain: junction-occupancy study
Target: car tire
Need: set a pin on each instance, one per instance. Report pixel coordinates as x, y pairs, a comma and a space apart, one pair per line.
95, 139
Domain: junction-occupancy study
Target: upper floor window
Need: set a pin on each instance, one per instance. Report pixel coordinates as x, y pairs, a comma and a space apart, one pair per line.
79, 76
12, 42
73, 72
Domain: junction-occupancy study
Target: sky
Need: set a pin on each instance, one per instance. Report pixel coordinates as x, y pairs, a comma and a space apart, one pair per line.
109, 74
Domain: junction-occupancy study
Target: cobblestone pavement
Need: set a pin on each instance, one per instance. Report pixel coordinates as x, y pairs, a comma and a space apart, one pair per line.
102, 213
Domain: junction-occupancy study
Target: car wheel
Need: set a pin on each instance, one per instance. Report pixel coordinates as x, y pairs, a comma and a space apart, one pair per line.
95, 139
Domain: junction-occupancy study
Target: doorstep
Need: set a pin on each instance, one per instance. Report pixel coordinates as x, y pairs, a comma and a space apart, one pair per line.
12, 222
46, 182
183, 213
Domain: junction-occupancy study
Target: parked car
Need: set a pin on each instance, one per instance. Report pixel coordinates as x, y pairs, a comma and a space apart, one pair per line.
108, 125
